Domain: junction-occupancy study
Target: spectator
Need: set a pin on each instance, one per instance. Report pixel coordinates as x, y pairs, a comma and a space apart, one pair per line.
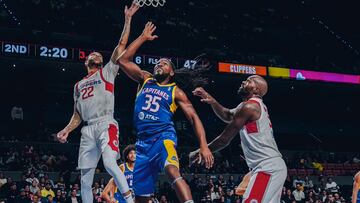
298, 194
215, 196
163, 199
330, 199
3, 180
22, 198
63, 196
206, 198
60, 185
12, 193
220, 181
231, 182
298, 180
308, 184
17, 113
5, 189
57, 197
77, 189
23, 182
32, 178
50, 199
47, 190
310, 197
331, 186
228, 197
337, 198
27, 191
34, 187
73, 197
36, 199
323, 195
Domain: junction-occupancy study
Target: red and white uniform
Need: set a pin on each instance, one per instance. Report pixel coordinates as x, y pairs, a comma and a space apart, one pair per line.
268, 169
94, 100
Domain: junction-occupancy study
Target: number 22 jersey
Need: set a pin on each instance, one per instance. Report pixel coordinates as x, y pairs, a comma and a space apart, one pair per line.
154, 109
94, 94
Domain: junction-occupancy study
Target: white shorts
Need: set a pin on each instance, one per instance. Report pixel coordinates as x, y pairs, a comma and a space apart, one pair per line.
266, 182
94, 139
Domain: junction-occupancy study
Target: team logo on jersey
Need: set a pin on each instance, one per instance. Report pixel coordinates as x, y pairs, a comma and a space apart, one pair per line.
253, 201
141, 115
174, 158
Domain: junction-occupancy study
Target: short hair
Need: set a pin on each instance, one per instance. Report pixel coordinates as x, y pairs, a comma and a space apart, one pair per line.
127, 150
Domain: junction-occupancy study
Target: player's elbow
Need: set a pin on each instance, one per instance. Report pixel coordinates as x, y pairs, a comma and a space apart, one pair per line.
123, 61
193, 118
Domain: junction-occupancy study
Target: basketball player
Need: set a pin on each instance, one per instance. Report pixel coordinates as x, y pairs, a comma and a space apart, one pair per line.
111, 193
94, 104
356, 189
156, 102
251, 118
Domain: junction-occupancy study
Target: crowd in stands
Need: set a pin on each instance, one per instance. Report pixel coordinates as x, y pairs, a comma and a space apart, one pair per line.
209, 189
36, 186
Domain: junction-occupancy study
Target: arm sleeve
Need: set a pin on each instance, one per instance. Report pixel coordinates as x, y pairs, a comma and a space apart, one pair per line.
110, 71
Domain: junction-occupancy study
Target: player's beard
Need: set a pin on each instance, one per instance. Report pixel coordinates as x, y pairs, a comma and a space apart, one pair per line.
160, 77
243, 92
93, 64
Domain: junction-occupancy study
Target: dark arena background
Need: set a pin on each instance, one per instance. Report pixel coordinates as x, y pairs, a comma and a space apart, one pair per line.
308, 51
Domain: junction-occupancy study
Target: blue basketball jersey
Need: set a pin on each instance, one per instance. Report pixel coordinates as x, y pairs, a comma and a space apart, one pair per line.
128, 173
154, 109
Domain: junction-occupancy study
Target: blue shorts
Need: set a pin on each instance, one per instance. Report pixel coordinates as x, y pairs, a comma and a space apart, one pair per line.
152, 156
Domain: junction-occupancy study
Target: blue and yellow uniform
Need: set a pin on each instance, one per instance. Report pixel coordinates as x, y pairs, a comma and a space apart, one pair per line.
128, 172
358, 196
153, 117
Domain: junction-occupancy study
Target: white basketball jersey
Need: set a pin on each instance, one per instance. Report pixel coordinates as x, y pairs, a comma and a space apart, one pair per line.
257, 138
94, 94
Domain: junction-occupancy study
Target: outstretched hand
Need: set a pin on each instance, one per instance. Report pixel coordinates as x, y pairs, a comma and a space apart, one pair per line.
129, 12
201, 156
148, 31
205, 97
62, 136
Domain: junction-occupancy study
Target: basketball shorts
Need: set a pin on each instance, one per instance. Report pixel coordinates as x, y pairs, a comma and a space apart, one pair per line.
266, 182
152, 156
94, 139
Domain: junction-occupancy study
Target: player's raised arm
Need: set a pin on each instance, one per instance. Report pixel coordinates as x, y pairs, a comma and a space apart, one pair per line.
248, 112
223, 113
195, 121
129, 12
125, 60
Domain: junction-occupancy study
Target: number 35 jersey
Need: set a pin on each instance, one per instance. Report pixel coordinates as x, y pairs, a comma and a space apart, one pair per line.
94, 94
154, 109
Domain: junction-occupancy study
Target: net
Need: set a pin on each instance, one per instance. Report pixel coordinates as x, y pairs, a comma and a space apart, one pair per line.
154, 3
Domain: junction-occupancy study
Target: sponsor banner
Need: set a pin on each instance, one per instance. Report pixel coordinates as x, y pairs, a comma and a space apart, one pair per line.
242, 69
279, 72
324, 76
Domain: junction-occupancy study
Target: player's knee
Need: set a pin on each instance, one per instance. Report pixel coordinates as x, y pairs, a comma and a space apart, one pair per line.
85, 184
172, 172
109, 165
